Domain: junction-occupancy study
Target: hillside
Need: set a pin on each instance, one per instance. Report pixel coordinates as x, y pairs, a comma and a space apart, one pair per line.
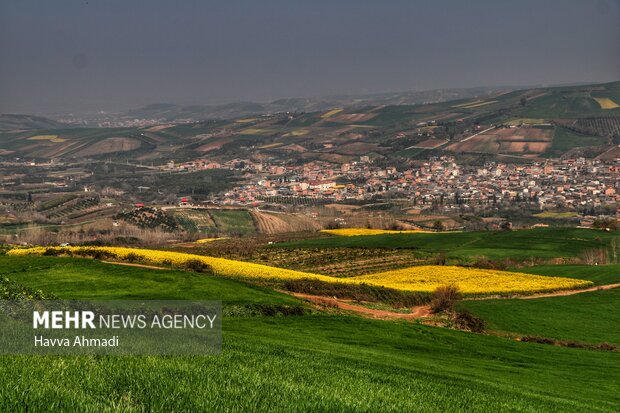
25, 122
519, 125
322, 358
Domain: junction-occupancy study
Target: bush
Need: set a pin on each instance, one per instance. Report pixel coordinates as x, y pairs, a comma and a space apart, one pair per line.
50, 252
444, 298
196, 265
132, 257
467, 321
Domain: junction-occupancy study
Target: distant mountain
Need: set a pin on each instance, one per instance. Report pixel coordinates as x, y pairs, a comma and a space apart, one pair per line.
171, 112
27, 122
525, 124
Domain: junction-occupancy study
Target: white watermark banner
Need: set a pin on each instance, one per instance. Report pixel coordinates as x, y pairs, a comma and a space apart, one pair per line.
128, 327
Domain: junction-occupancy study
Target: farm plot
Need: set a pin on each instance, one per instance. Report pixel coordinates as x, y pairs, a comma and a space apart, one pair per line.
430, 144
195, 219
352, 117
268, 223
109, 145
599, 126
469, 280
606, 103
338, 262
233, 221
479, 144
512, 140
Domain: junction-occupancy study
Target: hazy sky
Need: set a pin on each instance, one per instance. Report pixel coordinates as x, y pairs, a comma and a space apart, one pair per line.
68, 55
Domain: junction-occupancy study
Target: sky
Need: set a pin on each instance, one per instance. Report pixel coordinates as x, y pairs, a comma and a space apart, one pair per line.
71, 56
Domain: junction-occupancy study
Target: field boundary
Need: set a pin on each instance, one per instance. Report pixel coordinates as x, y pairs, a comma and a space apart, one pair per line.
562, 293
421, 311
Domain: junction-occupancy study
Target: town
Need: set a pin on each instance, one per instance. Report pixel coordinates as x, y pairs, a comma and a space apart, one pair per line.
572, 184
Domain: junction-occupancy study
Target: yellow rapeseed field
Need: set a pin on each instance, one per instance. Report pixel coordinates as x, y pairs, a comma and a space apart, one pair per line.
51, 138
330, 113
469, 280
351, 232
220, 266
421, 278
205, 240
606, 103
475, 105
255, 131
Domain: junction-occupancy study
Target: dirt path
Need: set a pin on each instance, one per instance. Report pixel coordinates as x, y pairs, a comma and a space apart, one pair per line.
153, 267
417, 312
553, 294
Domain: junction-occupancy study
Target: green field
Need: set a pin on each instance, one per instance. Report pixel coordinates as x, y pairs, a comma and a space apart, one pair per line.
564, 140
233, 221
314, 362
522, 244
87, 279
598, 274
591, 317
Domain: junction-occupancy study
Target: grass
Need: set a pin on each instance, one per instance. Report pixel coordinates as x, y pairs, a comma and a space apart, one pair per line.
590, 317
232, 221
598, 274
522, 244
557, 215
88, 279
565, 139
318, 363
288, 364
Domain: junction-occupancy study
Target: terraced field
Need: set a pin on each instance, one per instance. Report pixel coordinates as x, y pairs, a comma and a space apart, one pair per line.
338, 262
195, 219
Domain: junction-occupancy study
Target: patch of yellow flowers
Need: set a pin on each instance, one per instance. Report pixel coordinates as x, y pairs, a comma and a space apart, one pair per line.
421, 278
352, 232
469, 280
206, 240
220, 266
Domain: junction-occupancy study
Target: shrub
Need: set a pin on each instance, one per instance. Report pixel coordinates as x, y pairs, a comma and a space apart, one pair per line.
51, 252
539, 340
132, 257
444, 298
467, 321
196, 265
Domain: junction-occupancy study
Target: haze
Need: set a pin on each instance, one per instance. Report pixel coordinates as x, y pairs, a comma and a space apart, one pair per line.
78, 56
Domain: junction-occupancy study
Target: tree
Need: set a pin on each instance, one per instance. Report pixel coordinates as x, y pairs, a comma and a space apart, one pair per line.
438, 226
523, 101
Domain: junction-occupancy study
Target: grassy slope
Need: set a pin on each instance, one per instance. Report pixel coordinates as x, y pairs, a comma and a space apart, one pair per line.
598, 274
85, 279
540, 242
309, 363
564, 140
326, 364
589, 317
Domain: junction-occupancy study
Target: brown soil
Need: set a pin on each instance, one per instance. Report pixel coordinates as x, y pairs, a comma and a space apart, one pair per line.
110, 145
153, 267
417, 312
